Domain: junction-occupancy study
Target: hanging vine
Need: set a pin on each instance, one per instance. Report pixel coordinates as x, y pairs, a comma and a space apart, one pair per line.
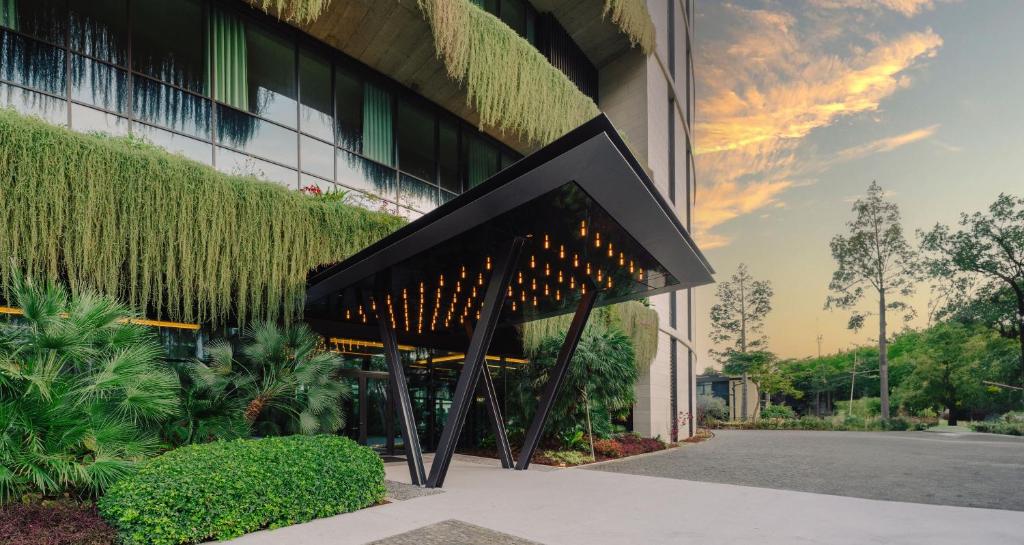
632, 17
508, 82
297, 11
161, 232
635, 319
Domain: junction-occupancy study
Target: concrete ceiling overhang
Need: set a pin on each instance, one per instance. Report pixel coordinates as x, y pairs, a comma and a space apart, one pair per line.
600, 39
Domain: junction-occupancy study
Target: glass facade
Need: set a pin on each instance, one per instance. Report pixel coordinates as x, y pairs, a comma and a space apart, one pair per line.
225, 85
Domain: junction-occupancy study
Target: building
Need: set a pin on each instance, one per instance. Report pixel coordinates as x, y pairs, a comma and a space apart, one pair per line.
357, 99
731, 391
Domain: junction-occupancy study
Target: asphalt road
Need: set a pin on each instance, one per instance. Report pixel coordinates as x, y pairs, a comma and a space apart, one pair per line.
968, 470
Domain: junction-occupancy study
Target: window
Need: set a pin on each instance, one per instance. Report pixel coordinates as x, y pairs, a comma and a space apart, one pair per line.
99, 28
378, 124
175, 109
317, 158
249, 134
44, 19
348, 92
481, 159
85, 119
53, 110
32, 64
448, 155
513, 13
417, 194
99, 84
317, 114
175, 143
358, 173
271, 71
416, 141
169, 43
243, 165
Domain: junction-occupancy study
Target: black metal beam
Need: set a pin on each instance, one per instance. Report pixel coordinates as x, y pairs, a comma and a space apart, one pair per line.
493, 300
400, 389
547, 400
497, 422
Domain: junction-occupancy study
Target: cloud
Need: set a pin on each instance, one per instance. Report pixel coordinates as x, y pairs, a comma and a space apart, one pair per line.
908, 8
768, 81
883, 145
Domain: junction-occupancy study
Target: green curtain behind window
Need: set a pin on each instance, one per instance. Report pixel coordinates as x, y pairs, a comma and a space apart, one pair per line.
378, 141
9, 14
230, 71
481, 159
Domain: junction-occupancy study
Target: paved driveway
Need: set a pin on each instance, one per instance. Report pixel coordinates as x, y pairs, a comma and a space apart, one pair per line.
970, 470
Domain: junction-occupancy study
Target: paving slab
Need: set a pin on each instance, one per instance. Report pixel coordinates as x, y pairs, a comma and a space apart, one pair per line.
968, 470
453, 532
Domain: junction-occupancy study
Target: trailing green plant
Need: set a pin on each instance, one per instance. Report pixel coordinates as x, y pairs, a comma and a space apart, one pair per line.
568, 457
637, 320
298, 11
504, 75
598, 385
632, 17
161, 232
82, 391
226, 489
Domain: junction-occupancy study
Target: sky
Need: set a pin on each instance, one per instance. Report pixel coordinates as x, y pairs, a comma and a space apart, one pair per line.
802, 103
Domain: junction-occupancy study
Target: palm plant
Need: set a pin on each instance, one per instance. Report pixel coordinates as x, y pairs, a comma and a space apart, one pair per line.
81, 391
212, 405
290, 382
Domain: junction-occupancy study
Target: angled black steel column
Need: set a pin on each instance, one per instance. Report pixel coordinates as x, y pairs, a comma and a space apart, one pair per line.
494, 298
547, 400
400, 388
494, 410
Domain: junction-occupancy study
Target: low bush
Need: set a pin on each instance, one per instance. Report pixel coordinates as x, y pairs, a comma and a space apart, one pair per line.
1003, 427
632, 444
54, 523
836, 423
567, 457
710, 409
778, 411
225, 489
609, 448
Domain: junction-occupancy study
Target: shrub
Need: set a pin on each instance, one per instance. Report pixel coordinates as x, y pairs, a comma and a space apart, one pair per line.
225, 489
710, 409
54, 523
1001, 427
608, 447
632, 444
81, 392
568, 457
778, 411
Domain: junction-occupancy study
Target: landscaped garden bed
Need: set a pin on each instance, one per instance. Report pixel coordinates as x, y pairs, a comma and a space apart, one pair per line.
53, 522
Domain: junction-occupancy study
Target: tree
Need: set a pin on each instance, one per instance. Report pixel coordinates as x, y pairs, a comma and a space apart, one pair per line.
989, 245
874, 255
764, 369
737, 319
82, 393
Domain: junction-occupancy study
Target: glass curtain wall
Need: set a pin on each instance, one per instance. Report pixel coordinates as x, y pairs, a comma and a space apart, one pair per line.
224, 85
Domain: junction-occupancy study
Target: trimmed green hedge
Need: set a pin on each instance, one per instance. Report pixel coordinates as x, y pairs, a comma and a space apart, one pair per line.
226, 489
1002, 428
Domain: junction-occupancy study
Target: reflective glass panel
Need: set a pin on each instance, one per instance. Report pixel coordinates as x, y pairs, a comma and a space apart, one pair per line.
53, 110
271, 71
481, 158
191, 148
99, 84
416, 141
317, 158
448, 150
32, 64
169, 43
251, 135
417, 194
348, 91
99, 28
44, 19
84, 119
171, 107
243, 165
358, 173
513, 13
315, 90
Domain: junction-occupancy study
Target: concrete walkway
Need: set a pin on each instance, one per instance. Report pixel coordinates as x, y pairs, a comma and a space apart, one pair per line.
582, 507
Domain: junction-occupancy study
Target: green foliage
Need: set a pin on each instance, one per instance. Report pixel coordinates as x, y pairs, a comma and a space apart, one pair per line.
865, 407
81, 392
710, 409
634, 318
778, 411
226, 489
600, 377
989, 246
298, 11
160, 232
283, 383
763, 368
949, 363
1011, 423
737, 318
568, 457
504, 75
632, 17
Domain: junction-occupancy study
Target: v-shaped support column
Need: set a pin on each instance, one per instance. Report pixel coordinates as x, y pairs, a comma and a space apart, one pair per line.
400, 388
547, 400
479, 342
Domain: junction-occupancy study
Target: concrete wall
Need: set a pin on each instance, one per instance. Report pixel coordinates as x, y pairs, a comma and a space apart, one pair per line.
650, 105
